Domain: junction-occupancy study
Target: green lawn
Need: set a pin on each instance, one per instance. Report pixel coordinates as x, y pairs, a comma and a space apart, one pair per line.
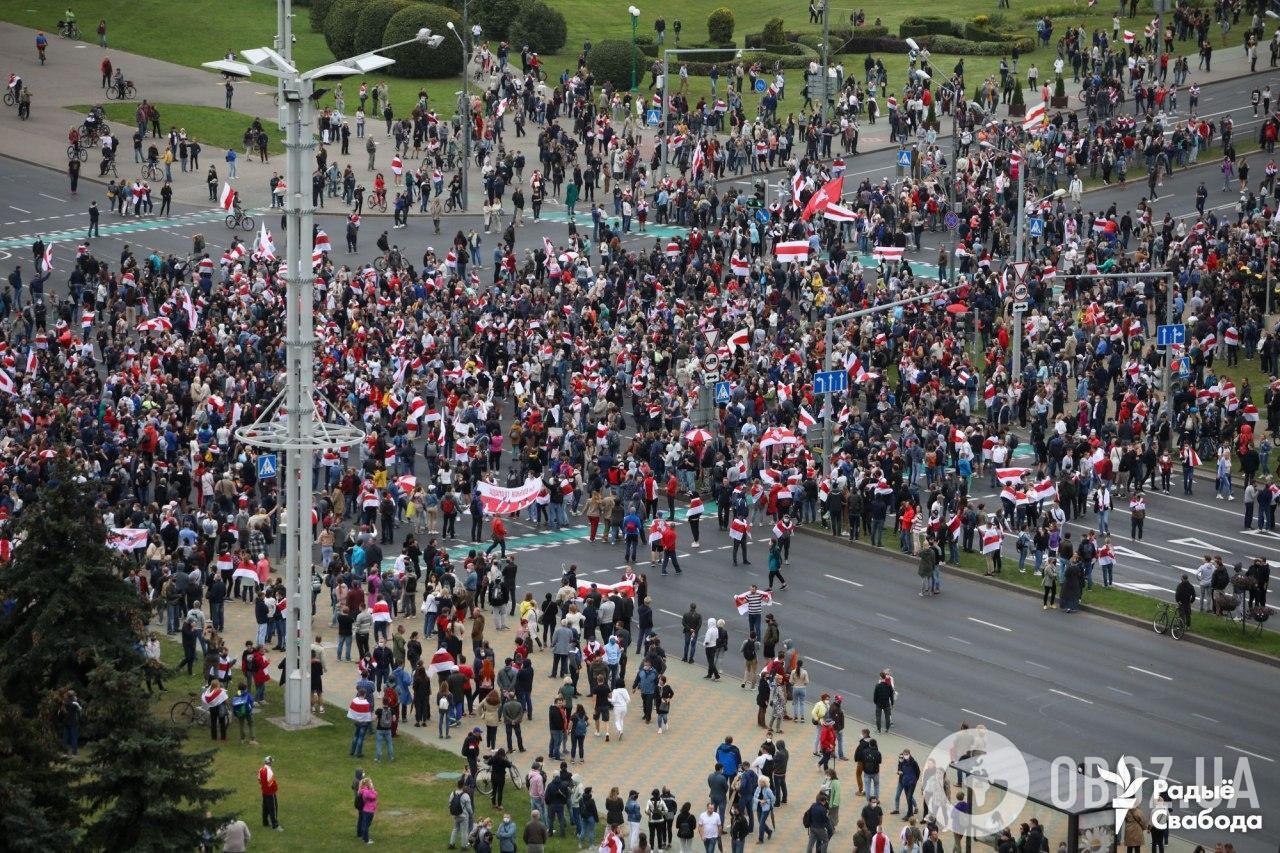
213, 127
315, 773
148, 27
1122, 601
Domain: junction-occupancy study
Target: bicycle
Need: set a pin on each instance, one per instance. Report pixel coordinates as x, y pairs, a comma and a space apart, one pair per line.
484, 777
110, 167
68, 30
151, 172
239, 219
538, 74
189, 712
378, 203
380, 263
77, 152
126, 93
1169, 621
9, 99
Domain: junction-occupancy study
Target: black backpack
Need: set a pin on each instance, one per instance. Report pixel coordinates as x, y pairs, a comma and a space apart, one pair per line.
455, 804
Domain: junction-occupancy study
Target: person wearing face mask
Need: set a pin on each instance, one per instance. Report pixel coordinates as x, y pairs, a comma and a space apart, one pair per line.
506, 835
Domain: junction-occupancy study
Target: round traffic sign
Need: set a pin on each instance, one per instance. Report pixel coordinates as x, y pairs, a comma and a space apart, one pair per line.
951, 220
1020, 293
760, 85
710, 362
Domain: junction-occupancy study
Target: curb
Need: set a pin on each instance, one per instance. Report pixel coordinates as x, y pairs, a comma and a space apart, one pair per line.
954, 571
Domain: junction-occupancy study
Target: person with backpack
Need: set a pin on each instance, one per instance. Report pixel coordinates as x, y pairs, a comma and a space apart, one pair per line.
242, 710
462, 810
631, 526
449, 515
868, 752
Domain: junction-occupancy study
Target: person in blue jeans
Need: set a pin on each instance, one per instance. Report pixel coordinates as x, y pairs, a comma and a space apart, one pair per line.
631, 527
765, 801
385, 720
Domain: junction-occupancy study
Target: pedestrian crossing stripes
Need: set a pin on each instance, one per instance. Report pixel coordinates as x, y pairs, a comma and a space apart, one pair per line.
114, 228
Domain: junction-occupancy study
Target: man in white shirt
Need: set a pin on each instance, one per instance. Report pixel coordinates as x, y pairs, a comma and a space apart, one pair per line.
1204, 576
709, 827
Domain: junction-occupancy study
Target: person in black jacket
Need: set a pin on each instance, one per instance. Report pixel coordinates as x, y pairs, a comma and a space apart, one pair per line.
883, 698
1185, 595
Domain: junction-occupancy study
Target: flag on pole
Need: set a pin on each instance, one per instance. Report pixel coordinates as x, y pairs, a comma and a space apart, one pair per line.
1035, 116
792, 250
227, 197
1128, 36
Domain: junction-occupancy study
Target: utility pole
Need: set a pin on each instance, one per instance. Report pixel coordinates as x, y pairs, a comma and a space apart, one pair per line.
1018, 240
826, 56
466, 102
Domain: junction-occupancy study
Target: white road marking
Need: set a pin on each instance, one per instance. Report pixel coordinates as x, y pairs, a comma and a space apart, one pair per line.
812, 659
1033, 663
19, 209
1069, 695
984, 716
992, 625
1118, 690
1247, 752
54, 198
843, 580
669, 613
886, 616
958, 640
1149, 672
911, 645
1203, 717
925, 720
536, 583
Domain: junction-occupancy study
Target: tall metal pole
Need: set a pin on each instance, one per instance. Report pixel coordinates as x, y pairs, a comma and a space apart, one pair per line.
299, 345
826, 55
827, 439
1018, 241
666, 106
635, 25
951, 192
1168, 350
466, 102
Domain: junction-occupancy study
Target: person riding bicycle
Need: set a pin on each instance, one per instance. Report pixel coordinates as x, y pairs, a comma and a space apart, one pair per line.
384, 244
237, 209
15, 85
118, 82
67, 25
73, 137
394, 258
42, 41
379, 190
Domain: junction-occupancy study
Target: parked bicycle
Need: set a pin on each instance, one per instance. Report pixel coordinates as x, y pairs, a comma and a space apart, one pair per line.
78, 152
189, 712
68, 30
1169, 621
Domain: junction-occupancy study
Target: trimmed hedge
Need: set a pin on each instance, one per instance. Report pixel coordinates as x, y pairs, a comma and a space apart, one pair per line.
373, 21
875, 44
420, 60
975, 31
340, 26
920, 25
720, 24
611, 61
772, 33
539, 26
319, 11
965, 47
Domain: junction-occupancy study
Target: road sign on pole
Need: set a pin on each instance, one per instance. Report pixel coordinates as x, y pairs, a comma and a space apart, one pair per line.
951, 221
267, 466
722, 393
830, 381
1035, 226
653, 118
904, 158
1020, 269
1173, 334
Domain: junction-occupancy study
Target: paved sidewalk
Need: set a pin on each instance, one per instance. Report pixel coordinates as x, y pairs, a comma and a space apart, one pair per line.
72, 77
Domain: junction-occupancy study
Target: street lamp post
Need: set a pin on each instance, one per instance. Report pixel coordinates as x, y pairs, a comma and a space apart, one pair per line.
464, 102
635, 27
1018, 248
303, 431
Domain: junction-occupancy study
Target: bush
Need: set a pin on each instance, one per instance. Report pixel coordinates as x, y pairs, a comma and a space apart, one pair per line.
539, 26
373, 21
495, 17
720, 26
420, 60
340, 27
875, 44
773, 33
917, 25
975, 31
611, 61
1059, 88
964, 47
319, 11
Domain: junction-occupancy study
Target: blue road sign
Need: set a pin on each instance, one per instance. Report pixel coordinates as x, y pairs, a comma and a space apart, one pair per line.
830, 381
1183, 367
761, 85
763, 215
653, 118
267, 466
951, 220
1174, 334
1035, 226
904, 158
722, 393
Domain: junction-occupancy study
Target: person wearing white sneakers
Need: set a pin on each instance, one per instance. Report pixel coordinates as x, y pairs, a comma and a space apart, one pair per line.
665, 695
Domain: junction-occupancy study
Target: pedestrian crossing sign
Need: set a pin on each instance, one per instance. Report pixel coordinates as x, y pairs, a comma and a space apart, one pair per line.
267, 466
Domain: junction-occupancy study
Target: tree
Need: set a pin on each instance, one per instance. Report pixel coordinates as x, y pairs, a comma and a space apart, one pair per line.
539, 26
610, 61
422, 60
495, 18
144, 791
720, 26
72, 609
36, 785
372, 23
340, 27
319, 12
